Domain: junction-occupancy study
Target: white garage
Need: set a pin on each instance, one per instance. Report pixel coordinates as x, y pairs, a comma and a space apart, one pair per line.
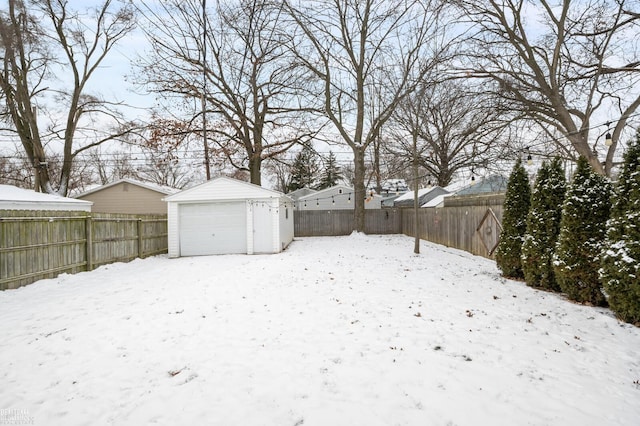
228, 216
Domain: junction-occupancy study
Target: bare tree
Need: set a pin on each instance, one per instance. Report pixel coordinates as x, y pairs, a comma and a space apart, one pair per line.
575, 64
15, 169
350, 46
452, 127
108, 167
46, 38
163, 150
280, 171
243, 68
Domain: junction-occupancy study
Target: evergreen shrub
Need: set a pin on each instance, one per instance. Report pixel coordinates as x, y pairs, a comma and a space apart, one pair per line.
514, 223
620, 272
582, 231
543, 226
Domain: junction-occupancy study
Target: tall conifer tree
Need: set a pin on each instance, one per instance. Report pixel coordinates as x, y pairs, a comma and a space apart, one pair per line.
620, 272
543, 226
304, 169
514, 223
331, 174
582, 231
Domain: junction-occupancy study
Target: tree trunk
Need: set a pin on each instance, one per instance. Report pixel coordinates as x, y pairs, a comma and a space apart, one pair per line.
255, 166
416, 207
582, 147
360, 190
376, 161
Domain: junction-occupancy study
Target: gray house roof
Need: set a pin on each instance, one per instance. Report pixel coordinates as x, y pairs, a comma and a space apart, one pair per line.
493, 183
299, 193
166, 190
424, 196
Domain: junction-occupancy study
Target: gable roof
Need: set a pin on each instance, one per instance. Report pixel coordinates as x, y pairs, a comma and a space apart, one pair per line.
332, 190
223, 188
424, 195
14, 198
166, 190
301, 192
493, 183
421, 192
437, 201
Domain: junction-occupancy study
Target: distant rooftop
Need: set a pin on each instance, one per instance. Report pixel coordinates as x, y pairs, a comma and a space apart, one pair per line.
493, 183
167, 190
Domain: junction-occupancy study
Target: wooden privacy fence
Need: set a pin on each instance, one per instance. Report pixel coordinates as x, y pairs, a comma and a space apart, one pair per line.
318, 223
470, 223
42, 244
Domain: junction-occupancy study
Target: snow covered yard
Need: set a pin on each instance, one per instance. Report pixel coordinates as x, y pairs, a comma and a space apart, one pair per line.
335, 331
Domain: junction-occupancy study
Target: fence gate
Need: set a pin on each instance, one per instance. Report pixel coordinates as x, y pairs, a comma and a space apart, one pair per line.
489, 231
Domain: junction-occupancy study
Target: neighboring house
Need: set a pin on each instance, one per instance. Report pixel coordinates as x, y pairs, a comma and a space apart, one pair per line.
388, 200
493, 183
128, 196
14, 198
339, 197
298, 193
436, 202
424, 196
227, 216
393, 186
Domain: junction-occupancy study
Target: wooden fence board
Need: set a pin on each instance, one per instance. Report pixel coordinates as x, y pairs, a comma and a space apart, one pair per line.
455, 227
42, 244
459, 224
37, 245
317, 223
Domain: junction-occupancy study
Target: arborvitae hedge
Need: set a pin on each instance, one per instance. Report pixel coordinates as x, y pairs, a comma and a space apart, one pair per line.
514, 223
543, 226
582, 230
620, 273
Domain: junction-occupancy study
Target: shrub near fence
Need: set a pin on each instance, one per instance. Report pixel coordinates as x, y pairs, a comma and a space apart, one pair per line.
43, 244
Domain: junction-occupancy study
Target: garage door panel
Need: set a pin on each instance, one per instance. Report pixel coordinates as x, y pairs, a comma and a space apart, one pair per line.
212, 228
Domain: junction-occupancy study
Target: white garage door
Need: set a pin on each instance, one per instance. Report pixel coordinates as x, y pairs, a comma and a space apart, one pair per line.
213, 228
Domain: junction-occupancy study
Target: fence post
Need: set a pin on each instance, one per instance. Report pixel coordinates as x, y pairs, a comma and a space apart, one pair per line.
88, 229
140, 248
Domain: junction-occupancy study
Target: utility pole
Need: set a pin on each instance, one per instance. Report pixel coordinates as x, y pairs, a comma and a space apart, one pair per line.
416, 207
207, 162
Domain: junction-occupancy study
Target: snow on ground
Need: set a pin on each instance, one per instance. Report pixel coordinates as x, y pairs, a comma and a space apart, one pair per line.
351, 330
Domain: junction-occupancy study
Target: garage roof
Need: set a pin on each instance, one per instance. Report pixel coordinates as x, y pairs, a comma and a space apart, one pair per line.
223, 188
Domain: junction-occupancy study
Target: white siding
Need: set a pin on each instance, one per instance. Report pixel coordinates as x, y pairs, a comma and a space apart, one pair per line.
336, 198
249, 228
278, 230
285, 226
173, 238
265, 226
